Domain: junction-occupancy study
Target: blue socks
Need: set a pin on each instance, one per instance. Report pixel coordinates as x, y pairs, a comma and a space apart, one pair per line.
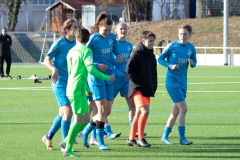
55, 127
130, 122
65, 128
166, 132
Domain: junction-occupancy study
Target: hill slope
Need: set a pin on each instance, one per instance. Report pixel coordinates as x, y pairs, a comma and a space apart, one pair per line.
206, 31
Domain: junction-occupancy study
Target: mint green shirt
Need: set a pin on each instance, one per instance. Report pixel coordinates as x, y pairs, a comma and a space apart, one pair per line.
80, 63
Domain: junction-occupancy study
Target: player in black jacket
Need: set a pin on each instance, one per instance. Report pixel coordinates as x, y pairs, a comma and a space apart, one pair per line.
5, 52
142, 72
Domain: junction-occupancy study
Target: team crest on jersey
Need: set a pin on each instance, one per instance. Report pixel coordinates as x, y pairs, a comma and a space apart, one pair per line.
90, 59
110, 41
129, 48
189, 52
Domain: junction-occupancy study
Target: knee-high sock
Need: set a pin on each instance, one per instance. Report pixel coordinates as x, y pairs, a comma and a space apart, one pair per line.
100, 133
65, 128
55, 127
141, 126
166, 132
93, 133
134, 128
72, 134
181, 131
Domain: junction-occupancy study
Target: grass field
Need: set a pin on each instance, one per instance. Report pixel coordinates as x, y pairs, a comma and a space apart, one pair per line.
27, 111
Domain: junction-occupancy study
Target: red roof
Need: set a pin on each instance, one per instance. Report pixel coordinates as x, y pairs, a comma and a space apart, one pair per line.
78, 3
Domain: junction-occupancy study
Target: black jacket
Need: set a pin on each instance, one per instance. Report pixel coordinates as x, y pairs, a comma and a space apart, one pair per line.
142, 71
5, 44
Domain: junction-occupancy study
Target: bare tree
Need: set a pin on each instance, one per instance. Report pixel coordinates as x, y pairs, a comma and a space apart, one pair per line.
104, 3
161, 5
13, 10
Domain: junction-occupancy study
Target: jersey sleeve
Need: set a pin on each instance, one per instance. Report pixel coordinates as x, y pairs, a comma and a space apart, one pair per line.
165, 54
115, 47
54, 50
193, 57
88, 61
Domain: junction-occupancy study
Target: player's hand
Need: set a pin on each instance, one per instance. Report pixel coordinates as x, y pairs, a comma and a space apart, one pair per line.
190, 62
119, 59
54, 76
173, 66
89, 93
102, 67
112, 78
127, 60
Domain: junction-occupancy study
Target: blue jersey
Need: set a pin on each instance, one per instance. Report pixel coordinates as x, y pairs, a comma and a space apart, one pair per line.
177, 53
103, 48
59, 51
125, 50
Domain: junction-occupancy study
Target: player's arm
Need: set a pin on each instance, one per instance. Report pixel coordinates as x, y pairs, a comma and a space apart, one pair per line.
48, 62
88, 61
163, 56
193, 59
131, 68
116, 51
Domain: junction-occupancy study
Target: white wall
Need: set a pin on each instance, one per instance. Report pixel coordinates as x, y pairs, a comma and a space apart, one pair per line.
88, 15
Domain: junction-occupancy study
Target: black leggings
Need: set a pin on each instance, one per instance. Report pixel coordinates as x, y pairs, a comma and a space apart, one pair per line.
8, 60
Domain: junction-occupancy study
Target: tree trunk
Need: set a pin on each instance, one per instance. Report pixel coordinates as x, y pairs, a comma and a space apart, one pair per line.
13, 10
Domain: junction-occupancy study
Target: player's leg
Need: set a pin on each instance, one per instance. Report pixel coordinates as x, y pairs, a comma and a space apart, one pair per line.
181, 123
1, 65
8, 60
134, 127
171, 120
99, 96
47, 139
107, 127
93, 139
81, 118
100, 121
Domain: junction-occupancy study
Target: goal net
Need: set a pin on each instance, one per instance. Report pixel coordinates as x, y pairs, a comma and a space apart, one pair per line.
30, 47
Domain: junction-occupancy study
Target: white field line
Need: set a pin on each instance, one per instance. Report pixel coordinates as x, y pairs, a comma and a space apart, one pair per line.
209, 83
26, 88
205, 91
223, 77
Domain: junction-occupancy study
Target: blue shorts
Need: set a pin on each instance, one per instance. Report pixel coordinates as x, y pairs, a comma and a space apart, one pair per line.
177, 94
101, 89
89, 98
60, 94
121, 84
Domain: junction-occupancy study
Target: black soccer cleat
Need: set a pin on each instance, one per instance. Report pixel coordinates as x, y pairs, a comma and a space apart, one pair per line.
143, 143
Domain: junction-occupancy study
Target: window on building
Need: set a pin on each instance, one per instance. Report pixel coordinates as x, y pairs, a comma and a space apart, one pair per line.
46, 2
69, 15
52, 1
55, 13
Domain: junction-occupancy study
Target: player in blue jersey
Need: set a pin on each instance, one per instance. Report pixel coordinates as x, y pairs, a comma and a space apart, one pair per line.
103, 45
59, 77
121, 83
177, 56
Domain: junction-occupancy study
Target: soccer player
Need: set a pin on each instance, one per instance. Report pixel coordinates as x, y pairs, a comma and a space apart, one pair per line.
177, 56
59, 77
80, 62
103, 45
142, 72
121, 82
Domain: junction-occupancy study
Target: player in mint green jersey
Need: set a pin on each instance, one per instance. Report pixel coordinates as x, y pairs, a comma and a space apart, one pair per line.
80, 63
